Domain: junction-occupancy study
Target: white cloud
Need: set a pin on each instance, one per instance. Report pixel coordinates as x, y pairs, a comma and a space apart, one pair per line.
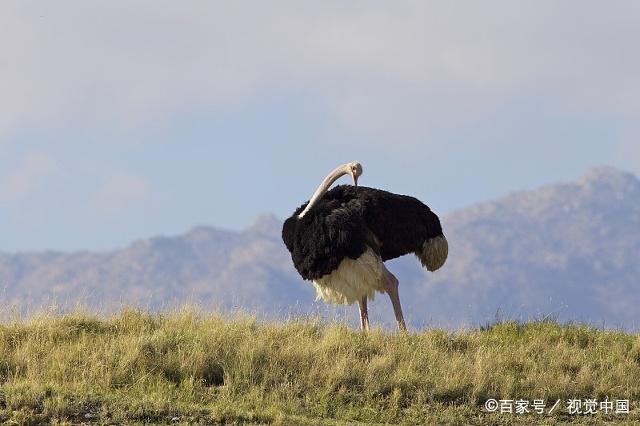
627, 152
373, 64
119, 193
29, 176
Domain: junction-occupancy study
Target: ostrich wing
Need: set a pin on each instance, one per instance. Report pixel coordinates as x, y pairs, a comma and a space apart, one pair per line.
332, 230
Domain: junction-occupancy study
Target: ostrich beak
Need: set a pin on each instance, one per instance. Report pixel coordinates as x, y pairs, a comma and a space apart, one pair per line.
355, 179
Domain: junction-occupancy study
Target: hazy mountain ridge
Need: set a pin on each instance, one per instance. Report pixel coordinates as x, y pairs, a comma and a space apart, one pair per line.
206, 265
571, 250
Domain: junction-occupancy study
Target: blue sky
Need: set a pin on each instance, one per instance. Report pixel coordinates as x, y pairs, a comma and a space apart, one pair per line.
122, 120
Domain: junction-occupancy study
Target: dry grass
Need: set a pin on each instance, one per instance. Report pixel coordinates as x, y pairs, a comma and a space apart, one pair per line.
189, 367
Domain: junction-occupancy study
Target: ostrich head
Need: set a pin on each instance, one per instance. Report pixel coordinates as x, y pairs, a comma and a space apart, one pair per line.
355, 170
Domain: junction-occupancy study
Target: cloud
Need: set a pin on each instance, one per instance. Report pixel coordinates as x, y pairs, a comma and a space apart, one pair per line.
627, 153
118, 194
30, 176
375, 65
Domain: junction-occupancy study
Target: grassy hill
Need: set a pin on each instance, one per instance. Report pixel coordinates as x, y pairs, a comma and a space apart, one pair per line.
190, 367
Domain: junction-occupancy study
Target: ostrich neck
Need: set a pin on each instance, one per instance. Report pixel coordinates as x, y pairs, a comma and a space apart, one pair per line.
324, 186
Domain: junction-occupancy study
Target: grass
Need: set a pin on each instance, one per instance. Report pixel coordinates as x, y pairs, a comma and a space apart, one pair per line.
189, 367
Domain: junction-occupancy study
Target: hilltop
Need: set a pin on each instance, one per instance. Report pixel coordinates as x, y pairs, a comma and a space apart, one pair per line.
191, 368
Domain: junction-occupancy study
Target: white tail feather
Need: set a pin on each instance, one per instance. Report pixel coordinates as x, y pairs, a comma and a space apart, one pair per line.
434, 253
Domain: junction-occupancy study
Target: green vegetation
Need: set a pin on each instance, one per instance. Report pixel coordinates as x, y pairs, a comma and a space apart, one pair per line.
189, 367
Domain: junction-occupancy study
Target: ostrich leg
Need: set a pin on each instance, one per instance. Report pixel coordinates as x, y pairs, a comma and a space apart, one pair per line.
391, 287
364, 315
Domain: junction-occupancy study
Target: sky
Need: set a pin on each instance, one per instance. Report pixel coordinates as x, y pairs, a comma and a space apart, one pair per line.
122, 120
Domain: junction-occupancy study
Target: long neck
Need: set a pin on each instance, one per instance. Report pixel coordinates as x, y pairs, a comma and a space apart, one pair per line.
324, 186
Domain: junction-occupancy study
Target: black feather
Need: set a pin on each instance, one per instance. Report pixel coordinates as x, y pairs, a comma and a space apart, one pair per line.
347, 219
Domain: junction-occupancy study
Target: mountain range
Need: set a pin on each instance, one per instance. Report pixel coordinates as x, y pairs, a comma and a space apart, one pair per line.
568, 251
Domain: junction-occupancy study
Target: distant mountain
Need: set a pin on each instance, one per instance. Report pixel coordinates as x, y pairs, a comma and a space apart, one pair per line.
569, 251
211, 267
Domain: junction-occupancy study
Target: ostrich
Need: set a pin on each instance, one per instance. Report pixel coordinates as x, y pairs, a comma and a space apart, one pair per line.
340, 239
